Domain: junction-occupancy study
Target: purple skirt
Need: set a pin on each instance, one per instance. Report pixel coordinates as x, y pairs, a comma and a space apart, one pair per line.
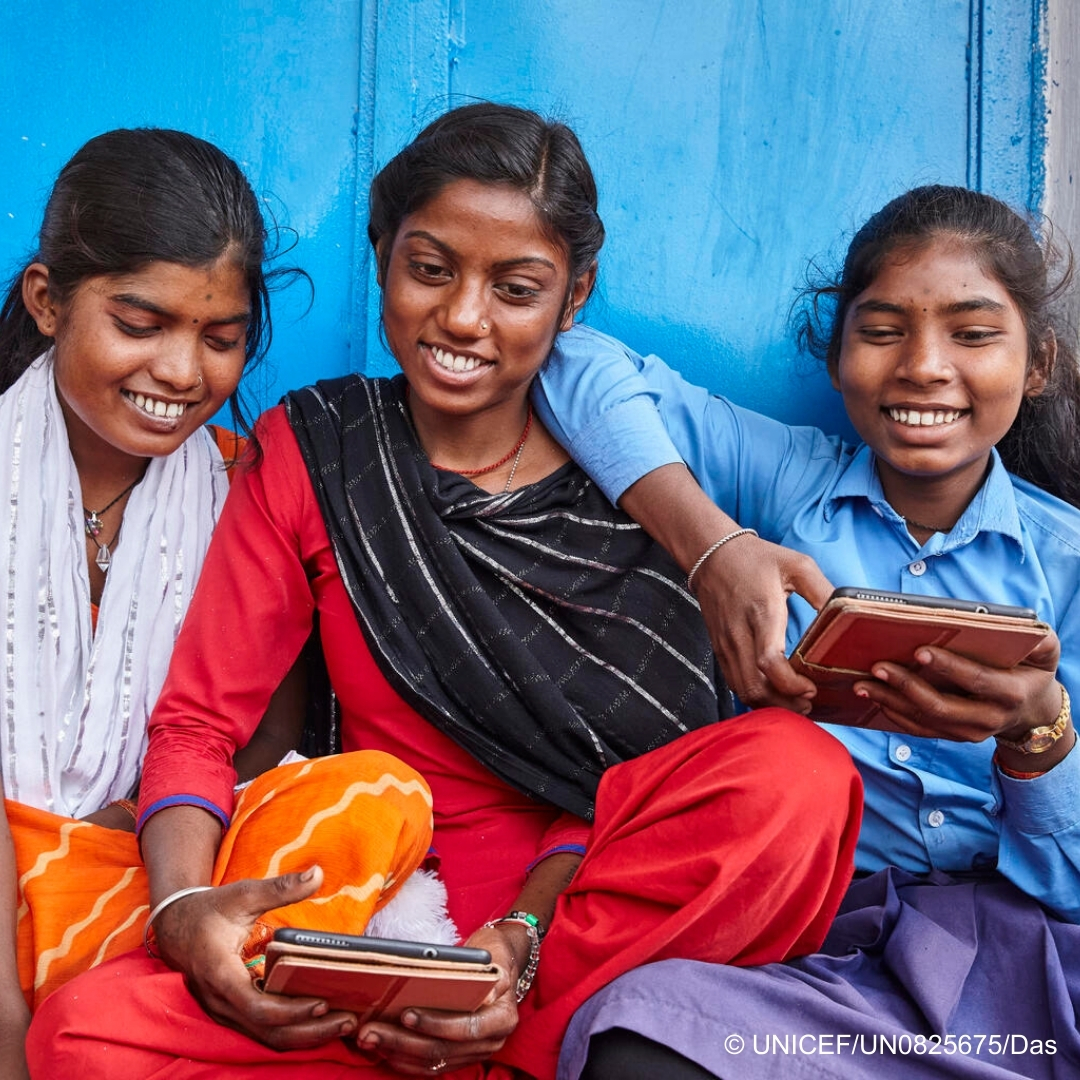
920, 978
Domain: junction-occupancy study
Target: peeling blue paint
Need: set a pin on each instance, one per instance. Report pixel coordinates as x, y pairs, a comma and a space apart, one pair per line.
1040, 109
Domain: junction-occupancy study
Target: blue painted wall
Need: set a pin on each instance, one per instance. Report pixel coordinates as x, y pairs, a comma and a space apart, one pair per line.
275, 84
732, 139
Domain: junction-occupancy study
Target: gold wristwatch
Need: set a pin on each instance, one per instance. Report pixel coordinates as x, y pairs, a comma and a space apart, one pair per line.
1040, 739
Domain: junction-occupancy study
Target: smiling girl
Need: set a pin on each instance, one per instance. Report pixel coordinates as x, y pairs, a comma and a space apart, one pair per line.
944, 335
131, 326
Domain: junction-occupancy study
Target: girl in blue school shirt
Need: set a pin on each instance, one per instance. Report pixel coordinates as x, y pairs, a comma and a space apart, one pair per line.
944, 334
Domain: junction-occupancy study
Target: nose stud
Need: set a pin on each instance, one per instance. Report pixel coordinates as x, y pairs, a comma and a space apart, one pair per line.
484, 326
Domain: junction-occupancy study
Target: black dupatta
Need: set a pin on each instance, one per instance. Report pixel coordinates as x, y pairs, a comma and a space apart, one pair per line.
541, 629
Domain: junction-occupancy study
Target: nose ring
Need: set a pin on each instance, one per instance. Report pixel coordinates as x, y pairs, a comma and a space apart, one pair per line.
199, 383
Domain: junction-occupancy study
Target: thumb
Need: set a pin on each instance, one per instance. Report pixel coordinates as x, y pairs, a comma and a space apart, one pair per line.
264, 894
810, 583
1045, 655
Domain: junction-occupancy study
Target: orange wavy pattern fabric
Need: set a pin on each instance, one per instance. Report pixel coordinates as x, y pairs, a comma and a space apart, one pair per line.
82, 889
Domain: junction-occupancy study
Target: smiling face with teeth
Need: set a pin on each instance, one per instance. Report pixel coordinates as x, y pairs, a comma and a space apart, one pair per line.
933, 366
143, 359
474, 293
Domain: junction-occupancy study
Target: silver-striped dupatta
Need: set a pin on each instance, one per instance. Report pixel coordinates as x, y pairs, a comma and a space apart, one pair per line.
74, 704
541, 629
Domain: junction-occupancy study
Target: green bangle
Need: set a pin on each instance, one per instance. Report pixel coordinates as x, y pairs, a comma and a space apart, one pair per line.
526, 917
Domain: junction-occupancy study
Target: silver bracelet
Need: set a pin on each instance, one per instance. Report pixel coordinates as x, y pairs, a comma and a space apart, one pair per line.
170, 899
532, 928
709, 550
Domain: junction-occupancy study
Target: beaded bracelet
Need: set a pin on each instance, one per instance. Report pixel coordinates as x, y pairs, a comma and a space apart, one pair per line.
709, 550
532, 928
128, 806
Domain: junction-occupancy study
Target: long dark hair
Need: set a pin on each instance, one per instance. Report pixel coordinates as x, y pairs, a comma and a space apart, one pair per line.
494, 144
131, 197
1043, 443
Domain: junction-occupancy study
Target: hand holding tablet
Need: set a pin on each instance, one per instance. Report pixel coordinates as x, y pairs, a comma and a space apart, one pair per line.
377, 978
859, 627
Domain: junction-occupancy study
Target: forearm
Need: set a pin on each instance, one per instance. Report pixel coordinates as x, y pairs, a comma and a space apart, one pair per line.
538, 898
279, 730
545, 885
1056, 712
674, 511
9, 900
179, 845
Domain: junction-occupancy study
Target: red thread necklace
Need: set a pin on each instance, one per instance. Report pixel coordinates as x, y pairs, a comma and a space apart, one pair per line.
515, 451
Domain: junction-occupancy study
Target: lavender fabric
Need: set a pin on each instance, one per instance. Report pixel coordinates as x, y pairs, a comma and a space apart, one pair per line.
920, 978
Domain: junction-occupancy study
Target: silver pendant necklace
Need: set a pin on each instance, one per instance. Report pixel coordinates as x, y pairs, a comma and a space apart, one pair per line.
94, 525
104, 556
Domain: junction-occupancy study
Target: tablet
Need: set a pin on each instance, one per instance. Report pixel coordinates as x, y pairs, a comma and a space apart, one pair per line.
377, 978
858, 627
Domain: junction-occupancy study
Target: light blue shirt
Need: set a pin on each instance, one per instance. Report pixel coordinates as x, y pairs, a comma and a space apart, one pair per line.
930, 803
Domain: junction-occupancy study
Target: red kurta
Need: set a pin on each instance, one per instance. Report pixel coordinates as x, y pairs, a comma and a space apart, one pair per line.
733, 844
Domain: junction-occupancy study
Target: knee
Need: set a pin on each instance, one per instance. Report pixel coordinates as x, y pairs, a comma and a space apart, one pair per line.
794, 742
782, 764
810, 771
770, 772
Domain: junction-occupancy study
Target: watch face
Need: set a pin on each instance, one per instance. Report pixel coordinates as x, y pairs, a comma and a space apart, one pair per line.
1039, 740
1042, 738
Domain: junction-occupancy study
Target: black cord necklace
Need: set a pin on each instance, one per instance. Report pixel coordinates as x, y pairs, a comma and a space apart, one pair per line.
924, 528
94, 525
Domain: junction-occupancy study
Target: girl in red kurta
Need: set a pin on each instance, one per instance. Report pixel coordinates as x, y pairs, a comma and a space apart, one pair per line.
494, 623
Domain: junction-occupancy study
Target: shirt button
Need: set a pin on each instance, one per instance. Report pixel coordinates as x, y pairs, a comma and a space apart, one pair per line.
918, 568
935, 819
903, 752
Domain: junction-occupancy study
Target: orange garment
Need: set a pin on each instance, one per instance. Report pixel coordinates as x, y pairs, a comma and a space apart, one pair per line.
83, 890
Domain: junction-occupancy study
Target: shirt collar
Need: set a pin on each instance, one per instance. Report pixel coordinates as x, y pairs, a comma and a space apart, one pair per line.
992, 510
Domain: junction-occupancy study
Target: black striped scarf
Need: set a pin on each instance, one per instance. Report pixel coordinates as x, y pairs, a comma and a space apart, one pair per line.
541, 629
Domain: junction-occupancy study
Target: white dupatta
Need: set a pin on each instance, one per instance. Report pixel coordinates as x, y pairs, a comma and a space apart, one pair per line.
74, 704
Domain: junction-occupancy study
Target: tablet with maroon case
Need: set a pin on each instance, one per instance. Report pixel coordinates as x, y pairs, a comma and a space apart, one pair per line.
859, 627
